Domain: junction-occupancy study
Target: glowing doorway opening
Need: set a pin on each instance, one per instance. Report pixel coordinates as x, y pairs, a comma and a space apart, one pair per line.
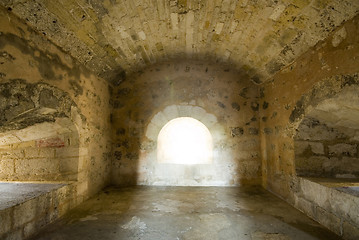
184, 140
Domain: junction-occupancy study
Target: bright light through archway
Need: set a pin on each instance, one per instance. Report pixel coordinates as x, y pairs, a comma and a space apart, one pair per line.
184, 140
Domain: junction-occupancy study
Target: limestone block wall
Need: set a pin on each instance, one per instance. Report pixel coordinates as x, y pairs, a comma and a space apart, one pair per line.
322, 151
225, 101
23, 220
317, 75
30, 63
48, 159
260, 37
335, 209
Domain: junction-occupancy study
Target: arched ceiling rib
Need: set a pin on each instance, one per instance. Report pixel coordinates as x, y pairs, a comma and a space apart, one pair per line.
116, 38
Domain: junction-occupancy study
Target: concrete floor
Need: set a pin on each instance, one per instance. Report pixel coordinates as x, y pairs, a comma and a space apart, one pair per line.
156, 213
13, 193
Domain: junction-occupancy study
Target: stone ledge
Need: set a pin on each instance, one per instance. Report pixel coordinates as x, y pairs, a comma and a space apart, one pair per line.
43, 203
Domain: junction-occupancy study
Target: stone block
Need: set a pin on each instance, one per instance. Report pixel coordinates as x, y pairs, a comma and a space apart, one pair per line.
33, 168
30, 229
315, 192
350, 232
13, 154
5, 221
248, 144
63, 209
69, 176
313, 164
317, 147
20, 145
159, 119
343, 149
67, 152
198, 113
63, 194
82, 162
349, 165
311, 129
41, 221
300, 147
328, 220
83, 151
39, 153
7, 139
43, 204
82, 176
248, 155
152, 131
74, 140
184, 111
171, 112
6, 167
305, 206
209, 120
25, 212
82, 188
345, 205
69, 165
303, 146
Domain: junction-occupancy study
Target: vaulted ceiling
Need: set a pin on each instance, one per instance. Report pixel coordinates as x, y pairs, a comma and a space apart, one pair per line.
115, 38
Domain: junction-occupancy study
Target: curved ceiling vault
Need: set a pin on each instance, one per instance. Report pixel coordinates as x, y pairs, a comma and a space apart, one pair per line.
115, 38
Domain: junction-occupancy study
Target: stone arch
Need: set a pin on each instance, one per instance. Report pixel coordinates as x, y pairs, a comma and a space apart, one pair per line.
39, 133
151, 172
177, 111
324, 89
325, 129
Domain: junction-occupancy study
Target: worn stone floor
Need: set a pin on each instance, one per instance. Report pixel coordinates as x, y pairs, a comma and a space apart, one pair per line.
156, 213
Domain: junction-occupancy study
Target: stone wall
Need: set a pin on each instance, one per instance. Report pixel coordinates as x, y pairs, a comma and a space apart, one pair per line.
317, 75
224, 100
23, 220
29, 62
37, 140
47, 159
117, 38
322, 151
331, 207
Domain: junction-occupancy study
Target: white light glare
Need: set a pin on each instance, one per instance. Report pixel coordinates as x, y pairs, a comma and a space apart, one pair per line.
184, 140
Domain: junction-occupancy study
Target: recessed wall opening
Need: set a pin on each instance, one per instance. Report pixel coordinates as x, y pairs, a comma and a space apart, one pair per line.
182, 148
184, 140
38, 139
39, 143
326, 145
326, 148
45, 151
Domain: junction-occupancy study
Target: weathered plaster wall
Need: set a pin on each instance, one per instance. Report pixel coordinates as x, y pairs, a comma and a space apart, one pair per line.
28, 60
317, 75
216, 95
